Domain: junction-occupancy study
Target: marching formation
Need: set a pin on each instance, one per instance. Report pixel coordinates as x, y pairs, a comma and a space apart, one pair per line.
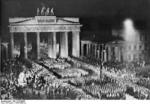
70, 79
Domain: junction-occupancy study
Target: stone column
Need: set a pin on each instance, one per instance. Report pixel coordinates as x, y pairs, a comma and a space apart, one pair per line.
7, 51
119, 54
105, 56
11, 45
52, 45
34, 46
102, 58
116, 53
75, 44
25, 45
38, 45
64, 44
82, 50
95, 51
87, 49
92, 48
109, 53
98, 52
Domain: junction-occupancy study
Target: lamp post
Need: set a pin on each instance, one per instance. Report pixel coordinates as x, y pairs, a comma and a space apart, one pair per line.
103, 53
101, 66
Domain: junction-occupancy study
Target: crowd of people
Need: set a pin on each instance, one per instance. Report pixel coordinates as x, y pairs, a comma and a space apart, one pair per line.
37, 79
8, 88
10, 71
130, 79
125, 74
107, 89
64, 90
63, 68
15, 76
59, 63
144, 82
18, 75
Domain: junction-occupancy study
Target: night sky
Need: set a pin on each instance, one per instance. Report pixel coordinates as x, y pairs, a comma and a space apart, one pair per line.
98, 17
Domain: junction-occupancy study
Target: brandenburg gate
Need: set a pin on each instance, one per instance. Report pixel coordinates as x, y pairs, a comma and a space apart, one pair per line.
51, 25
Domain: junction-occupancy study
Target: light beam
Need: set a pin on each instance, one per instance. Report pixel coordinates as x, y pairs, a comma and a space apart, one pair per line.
129, 32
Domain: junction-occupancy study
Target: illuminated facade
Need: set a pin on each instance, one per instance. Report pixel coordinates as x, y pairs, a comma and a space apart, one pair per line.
130, 50
4, 51
34, 27
119, 51
93, 50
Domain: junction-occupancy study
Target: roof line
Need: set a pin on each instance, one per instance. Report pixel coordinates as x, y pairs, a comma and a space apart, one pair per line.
23, 20
67, 20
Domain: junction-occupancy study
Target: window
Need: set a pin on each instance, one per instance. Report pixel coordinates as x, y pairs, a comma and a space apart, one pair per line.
140, 57
141, 38
135, 47
146, 38
129, 47
135, 57
129, 57
140, 47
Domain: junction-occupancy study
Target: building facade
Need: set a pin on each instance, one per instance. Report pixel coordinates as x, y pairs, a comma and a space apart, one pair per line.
119, 50
128, 51
4, 51
93, 50
52, 26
